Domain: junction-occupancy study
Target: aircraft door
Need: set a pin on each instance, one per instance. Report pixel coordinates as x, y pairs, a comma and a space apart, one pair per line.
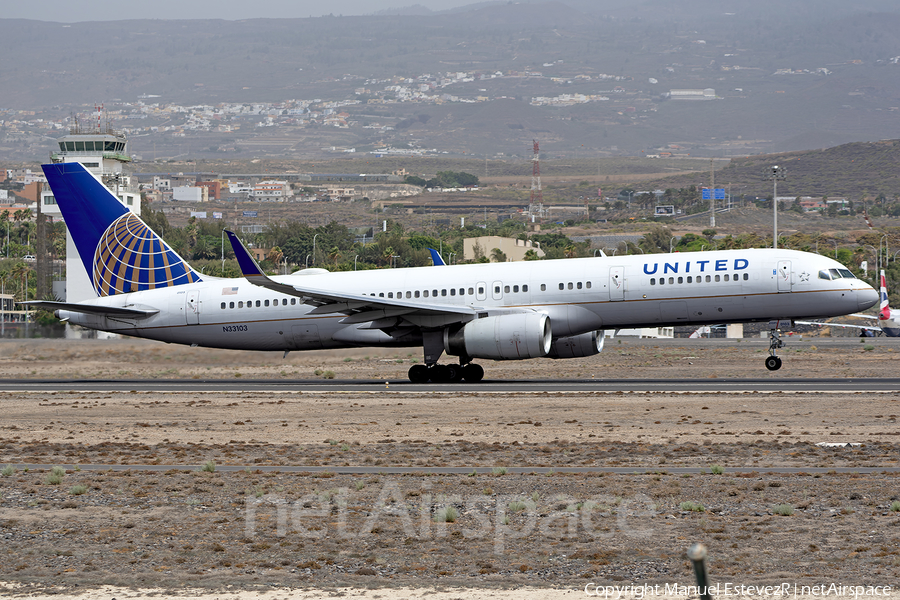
616, 283
192, 307
783, 275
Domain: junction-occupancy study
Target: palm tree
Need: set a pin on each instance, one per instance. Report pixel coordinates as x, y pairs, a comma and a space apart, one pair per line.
335, 255
497, 255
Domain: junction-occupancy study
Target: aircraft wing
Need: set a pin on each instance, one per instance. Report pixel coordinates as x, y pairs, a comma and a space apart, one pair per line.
359, 308
92, 309
824, 324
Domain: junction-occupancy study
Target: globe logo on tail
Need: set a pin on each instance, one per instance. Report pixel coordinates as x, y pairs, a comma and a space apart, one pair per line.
130, 257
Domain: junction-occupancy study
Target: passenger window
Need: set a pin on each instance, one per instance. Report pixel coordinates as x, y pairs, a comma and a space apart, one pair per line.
294, 301
515, 289
823, 274
708, 279
452, 291
570, 285
462, 291
746, 276
690, 279
409, 294
223, 306
578, 285
425, 293
653, 281
471, 291
390, 294
506, 289
416, 294
726, 276
266, 303
524, 288
481, 290
257, 304
381, 294
671, 280
680, 280
562, 286
496, 289
231, 305
588, 284
662, 281
241, 304
284, 301
543, 287
434, 293
717, 278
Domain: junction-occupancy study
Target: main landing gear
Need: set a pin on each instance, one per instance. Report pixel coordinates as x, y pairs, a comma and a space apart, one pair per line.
773, 363
435, 373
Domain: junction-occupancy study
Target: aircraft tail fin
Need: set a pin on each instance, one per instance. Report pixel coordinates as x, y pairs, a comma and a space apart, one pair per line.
436, 259
119, 252
884, 309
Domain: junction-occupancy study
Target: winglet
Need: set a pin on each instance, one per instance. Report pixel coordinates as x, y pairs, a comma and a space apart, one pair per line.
436, 258
248, 265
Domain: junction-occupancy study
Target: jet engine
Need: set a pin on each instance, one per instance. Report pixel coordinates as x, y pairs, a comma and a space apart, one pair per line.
505, 337
577, 346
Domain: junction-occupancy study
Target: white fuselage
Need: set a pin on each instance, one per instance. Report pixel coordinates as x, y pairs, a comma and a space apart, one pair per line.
579, 295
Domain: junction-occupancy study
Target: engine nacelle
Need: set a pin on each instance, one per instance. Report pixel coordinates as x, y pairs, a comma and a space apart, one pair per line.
505, 337
577, 346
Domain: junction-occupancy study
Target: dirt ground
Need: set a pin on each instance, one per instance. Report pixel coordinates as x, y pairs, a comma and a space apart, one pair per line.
200, 531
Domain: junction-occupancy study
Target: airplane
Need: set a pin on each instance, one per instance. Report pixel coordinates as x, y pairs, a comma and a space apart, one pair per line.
884, 321
502, 311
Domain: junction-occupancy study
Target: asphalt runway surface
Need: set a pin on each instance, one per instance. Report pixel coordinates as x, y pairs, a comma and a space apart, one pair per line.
788, 385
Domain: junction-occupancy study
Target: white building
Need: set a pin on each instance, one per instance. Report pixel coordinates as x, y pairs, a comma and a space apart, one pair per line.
190, 193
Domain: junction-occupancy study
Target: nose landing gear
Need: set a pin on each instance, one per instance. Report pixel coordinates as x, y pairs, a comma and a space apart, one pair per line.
773, 363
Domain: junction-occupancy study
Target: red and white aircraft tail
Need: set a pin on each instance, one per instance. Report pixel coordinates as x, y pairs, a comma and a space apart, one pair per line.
888, 325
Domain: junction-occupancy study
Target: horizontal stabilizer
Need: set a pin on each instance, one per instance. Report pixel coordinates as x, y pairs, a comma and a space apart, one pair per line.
91, 309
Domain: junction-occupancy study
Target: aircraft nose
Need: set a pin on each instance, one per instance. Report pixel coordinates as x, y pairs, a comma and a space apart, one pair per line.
867, 297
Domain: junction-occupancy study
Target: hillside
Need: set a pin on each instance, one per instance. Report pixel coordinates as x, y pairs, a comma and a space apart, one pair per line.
822, 73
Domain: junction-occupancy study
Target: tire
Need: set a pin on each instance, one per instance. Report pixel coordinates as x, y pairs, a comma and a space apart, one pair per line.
773, 363
472, 373
439, 374
418, 374
454, 373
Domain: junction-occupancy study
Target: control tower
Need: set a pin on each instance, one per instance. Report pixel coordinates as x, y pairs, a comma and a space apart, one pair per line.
103, 152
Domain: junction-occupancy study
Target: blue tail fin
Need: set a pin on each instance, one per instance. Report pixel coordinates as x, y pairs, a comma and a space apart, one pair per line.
120, 253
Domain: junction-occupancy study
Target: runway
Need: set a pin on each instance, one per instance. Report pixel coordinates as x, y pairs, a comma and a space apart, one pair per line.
760, 385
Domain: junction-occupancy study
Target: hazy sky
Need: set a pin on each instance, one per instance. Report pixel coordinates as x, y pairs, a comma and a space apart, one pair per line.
114, 10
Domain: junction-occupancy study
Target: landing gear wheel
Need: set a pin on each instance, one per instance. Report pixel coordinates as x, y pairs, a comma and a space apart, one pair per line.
453, 373
472, 373
773, 363
439, 374
418, 374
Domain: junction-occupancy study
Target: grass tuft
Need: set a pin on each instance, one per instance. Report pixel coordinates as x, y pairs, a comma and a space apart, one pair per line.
8, 470
692, 506
447, 514
78, 490
785, 510
209, 466
717, 469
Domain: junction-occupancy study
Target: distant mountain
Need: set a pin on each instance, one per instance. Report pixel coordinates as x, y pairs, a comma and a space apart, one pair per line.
786, 75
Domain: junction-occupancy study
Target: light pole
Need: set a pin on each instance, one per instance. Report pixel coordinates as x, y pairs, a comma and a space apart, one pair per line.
670, 244
450, 258
393, 262
306, 264
354, 261
775, 174
314, 249
877, 253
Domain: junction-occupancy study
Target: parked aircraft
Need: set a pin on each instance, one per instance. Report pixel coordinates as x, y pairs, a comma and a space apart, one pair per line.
551, 308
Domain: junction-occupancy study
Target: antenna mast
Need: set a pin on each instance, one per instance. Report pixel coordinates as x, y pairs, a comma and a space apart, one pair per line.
537, 196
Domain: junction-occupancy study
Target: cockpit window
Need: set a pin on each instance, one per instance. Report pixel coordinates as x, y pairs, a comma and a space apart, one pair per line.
846, 273
835, 274
824, 274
